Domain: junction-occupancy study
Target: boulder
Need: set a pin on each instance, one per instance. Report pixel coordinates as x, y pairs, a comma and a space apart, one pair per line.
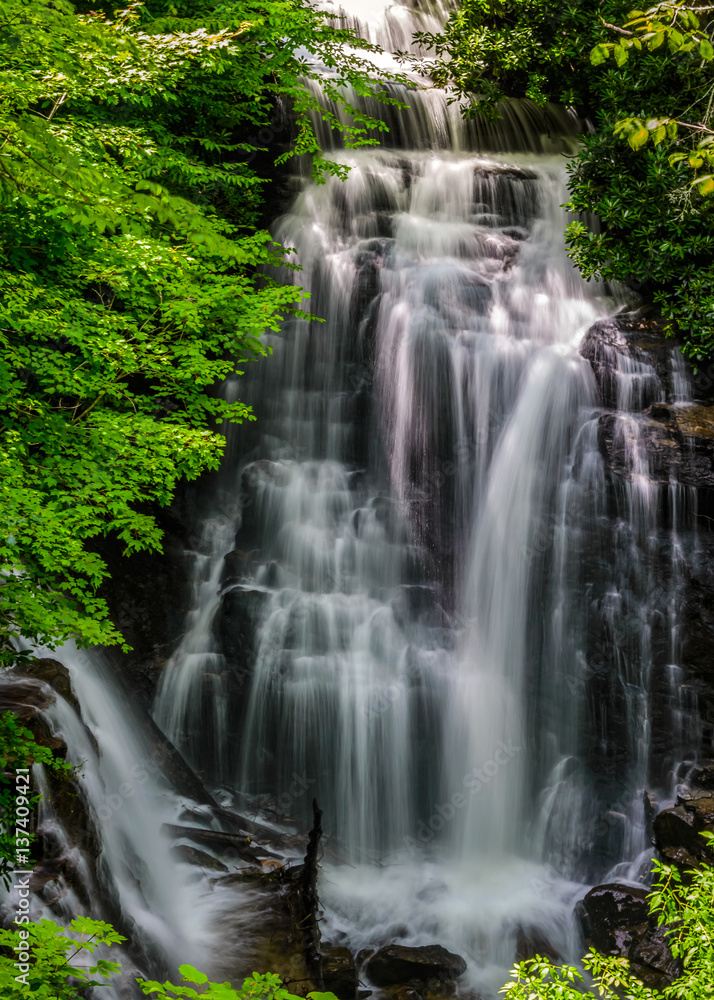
635, 343
339, 973
54, 673
615, 920
397, 964
677, 832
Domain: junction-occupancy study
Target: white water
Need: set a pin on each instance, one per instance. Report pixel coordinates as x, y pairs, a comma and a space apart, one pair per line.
449, 610
425, 492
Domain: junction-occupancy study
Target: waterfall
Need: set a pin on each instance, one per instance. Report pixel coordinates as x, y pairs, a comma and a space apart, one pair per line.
421, 545
419, 598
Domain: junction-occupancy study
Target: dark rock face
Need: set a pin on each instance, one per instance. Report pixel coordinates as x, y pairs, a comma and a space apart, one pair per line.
148, 593
398, 964
27, 698
701, 775
616, 921
677, 831
679, 443
639, 370
235, 624
339, 973
55, 674
633, 343
646, 428
698, 621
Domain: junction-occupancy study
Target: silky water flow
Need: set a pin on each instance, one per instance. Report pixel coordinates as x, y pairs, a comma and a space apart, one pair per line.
411, 565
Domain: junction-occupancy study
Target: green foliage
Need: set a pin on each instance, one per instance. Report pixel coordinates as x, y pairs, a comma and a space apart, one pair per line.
646, 169
496, 49
51, 972
676, 27
18, 749
686, 906
257, 987
130, 266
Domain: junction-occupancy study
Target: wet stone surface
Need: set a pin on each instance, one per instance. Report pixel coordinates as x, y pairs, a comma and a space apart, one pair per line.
398, 964
615, 920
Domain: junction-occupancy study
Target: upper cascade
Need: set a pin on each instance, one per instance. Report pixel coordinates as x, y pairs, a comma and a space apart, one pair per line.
429, 117
391, 25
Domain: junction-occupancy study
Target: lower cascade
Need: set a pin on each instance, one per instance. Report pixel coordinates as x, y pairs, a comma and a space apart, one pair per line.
439, 587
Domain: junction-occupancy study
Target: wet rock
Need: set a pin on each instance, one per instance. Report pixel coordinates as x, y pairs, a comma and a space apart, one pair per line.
27, 698
172, 764
366, 289
257, 478
701, 803
55, 674
417, 603
339, 973
615, 920
363, 956
678, 442
235, 625
192, 856
47, 871
388, 514
397, 964
23, 696
228, 845
410, 992
238, 566
701, 775
531, 942
677, 832
148, 593
634, 343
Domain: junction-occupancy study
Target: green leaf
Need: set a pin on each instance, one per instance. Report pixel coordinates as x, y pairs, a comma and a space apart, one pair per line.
600, 54
621, 54
192, 975
638, 138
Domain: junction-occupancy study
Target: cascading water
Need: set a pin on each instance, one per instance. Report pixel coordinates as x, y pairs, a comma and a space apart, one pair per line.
416, 515
422, 600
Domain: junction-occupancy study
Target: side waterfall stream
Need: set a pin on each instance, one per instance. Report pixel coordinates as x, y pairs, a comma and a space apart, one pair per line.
418, 535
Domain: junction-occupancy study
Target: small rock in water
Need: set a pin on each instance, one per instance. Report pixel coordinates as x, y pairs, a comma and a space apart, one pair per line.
399, 964
701, 775
339, 972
